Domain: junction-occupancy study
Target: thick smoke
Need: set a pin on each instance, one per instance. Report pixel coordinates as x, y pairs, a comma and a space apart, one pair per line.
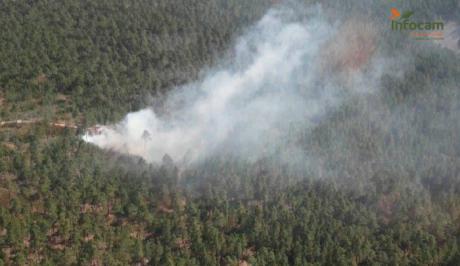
279, 81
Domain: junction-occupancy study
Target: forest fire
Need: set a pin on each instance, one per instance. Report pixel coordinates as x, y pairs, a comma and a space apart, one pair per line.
265, 132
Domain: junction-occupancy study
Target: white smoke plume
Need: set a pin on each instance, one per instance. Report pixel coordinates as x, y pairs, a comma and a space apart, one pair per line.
277, 80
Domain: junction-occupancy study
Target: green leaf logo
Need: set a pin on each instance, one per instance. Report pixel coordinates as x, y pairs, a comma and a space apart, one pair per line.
406, 15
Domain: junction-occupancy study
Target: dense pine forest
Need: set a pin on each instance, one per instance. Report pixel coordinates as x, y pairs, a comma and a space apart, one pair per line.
382, 186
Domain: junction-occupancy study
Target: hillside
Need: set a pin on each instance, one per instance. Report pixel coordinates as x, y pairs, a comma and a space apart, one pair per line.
373, 179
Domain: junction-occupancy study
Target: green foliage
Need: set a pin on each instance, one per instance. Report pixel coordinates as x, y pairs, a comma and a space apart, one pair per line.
383, 186
108, 55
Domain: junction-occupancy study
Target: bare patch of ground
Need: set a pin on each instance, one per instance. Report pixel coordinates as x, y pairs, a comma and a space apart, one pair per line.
351, 49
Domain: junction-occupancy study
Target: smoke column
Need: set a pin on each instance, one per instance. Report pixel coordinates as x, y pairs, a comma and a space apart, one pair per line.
277, 80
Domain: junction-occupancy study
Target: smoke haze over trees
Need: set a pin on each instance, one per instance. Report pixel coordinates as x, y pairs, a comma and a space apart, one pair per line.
238, 133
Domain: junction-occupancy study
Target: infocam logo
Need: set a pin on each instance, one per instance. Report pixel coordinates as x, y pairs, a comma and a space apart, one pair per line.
420, 30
